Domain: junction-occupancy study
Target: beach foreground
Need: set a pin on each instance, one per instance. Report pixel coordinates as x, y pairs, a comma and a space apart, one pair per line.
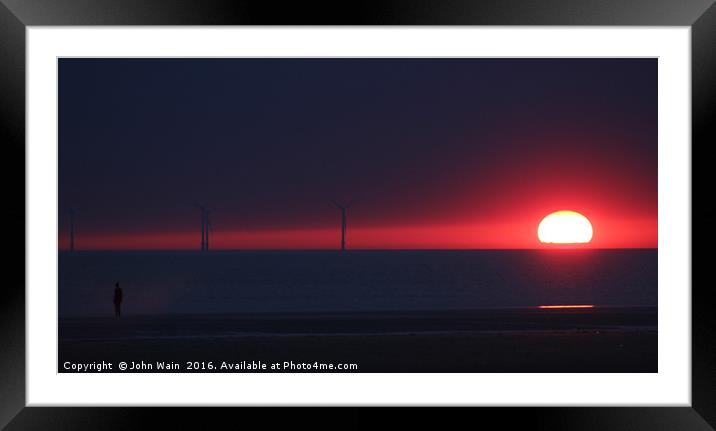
486, 341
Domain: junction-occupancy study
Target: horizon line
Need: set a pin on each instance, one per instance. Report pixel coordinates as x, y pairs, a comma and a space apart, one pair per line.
548, 248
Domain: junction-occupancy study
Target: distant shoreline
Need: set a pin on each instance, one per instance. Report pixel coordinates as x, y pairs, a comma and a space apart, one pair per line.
453, 313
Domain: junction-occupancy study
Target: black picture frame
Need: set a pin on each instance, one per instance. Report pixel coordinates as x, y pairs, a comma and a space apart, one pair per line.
16, 15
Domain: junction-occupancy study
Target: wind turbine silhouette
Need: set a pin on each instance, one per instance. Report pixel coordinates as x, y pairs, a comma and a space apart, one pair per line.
204, 227
343, 209
208, 228
72, 230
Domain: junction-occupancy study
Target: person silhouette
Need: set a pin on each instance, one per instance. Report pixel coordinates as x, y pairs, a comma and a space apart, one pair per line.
117, 300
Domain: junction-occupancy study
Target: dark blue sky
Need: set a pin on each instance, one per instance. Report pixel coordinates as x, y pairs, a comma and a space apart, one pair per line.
266, 142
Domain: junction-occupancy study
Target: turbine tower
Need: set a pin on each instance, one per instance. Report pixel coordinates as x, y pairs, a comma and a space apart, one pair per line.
343, 209
207, 228
72, 230
204, 227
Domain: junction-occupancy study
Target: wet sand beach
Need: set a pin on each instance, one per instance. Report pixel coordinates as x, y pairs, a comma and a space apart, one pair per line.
484, 341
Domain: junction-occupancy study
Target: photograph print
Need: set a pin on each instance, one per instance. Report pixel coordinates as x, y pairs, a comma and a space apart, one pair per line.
348, 215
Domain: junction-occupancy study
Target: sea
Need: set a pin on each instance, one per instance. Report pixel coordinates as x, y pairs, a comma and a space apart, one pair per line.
355, 281
385, 311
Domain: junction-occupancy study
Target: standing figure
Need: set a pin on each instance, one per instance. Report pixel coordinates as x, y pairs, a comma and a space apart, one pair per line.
117, 300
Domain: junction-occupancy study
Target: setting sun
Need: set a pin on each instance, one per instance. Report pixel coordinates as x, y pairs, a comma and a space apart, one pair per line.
565, 227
